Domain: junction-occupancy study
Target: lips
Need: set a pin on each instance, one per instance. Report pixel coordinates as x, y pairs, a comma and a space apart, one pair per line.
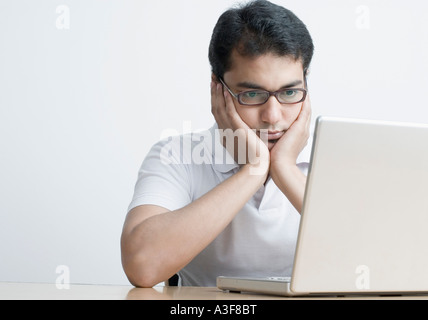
274, 135
267, 135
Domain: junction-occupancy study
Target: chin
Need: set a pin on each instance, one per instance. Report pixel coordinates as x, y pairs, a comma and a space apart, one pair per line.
271, 144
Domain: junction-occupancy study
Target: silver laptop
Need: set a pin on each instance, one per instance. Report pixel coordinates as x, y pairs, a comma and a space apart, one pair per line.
364, 223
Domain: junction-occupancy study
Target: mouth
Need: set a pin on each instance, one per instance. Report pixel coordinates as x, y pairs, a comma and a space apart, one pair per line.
274, 135
270, 137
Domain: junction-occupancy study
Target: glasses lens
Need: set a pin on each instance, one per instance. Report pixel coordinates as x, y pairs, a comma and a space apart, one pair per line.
253, 97
291, 96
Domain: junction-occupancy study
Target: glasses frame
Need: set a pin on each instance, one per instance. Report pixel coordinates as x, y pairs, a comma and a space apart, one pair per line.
275, 94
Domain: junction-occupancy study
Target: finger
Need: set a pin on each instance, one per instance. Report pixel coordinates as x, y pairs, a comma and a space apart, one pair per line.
231, 112
221, 104
213, 98
216, 98
230, 106
308, 104
304, 118
306, 108
308, 122
219, 107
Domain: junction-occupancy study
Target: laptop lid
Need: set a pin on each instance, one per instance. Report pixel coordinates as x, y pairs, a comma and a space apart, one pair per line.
364, 224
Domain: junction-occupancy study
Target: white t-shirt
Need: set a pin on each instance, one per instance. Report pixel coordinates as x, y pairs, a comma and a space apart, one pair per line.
261, 239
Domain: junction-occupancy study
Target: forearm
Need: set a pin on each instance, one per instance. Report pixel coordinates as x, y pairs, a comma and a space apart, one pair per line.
163, 244
292, 182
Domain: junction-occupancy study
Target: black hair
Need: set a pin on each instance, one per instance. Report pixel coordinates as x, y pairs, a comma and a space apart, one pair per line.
257, 28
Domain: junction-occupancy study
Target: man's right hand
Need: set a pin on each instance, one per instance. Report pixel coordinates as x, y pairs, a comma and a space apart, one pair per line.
254, 152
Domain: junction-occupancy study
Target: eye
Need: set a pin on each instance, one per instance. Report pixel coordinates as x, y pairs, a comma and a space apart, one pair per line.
251, 94
253, 97
290, 96
290, 93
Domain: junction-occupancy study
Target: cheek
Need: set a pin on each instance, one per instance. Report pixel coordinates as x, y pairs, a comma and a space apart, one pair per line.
249, 115
290, 114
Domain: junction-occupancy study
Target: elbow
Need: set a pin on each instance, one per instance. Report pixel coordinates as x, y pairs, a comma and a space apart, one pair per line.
141, 275
140, 271
141, 265
141, 280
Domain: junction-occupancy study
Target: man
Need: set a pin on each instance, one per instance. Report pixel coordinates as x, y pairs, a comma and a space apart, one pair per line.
202, 219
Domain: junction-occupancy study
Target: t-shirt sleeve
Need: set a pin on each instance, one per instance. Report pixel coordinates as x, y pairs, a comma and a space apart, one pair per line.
162, 179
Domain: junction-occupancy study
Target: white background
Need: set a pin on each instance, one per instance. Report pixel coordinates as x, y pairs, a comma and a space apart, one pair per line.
80, 107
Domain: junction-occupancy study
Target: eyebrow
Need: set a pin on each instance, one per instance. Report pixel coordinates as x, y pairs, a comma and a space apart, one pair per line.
251, 85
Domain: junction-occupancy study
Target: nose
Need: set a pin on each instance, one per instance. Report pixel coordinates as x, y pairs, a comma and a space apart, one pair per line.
271, 111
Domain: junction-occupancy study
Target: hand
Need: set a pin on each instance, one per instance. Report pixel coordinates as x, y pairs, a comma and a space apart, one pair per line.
250, 149
283, 169
291, 144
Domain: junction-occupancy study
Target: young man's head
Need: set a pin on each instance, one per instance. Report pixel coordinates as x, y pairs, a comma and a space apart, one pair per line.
262, 46
257, 28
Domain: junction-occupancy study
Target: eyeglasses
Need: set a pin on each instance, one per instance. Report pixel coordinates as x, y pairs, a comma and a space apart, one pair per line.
259, 97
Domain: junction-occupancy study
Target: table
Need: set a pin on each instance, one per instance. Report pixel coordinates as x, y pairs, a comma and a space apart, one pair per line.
46, 291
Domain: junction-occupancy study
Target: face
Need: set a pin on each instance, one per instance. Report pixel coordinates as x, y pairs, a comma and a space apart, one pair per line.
272, 73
